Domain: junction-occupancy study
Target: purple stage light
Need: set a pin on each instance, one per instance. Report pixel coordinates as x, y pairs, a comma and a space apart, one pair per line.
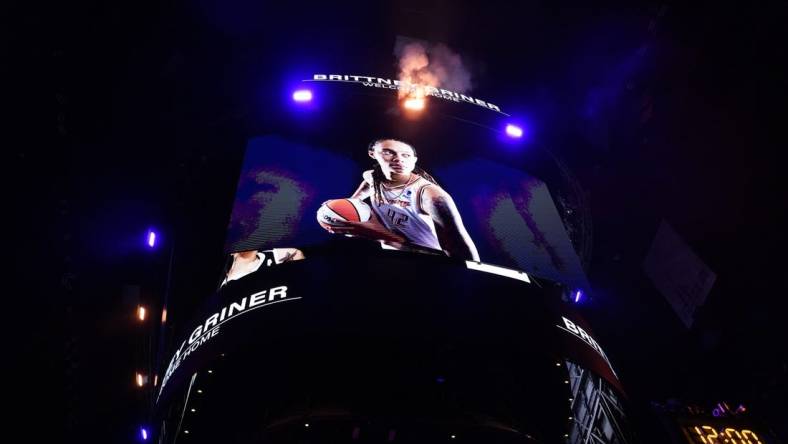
578, 295
514, 131
144, 433
302, 95
151, 238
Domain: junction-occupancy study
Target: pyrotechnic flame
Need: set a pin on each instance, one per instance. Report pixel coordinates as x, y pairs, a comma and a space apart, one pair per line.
414, 103
414, 71
422, 66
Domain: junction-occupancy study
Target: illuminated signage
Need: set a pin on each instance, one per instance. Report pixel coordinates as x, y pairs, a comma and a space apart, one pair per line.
707, 434
500, 271
210, 327
581, 334
377, 82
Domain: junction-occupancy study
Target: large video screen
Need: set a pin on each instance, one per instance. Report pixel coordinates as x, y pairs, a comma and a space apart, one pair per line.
427, 184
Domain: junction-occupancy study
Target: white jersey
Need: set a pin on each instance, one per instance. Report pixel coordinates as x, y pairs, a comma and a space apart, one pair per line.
401, 213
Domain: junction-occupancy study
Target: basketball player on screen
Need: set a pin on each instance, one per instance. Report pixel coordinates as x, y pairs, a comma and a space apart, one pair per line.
408, 207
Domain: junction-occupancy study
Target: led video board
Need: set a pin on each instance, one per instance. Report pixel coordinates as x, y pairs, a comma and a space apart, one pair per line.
501, 345
423, 183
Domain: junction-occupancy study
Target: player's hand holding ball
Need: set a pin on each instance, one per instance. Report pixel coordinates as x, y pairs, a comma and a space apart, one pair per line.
355, 218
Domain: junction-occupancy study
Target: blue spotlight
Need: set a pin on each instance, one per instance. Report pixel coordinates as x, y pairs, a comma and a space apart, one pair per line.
302, 96
578, 295
144, 433
151, 239
514, 131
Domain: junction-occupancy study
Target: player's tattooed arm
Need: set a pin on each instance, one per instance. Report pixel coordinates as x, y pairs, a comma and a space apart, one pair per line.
452, 235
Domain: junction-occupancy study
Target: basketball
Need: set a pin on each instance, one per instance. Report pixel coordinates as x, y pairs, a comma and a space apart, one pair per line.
336, 211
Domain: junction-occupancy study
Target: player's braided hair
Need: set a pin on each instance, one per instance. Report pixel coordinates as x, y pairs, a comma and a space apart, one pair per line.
377, 173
